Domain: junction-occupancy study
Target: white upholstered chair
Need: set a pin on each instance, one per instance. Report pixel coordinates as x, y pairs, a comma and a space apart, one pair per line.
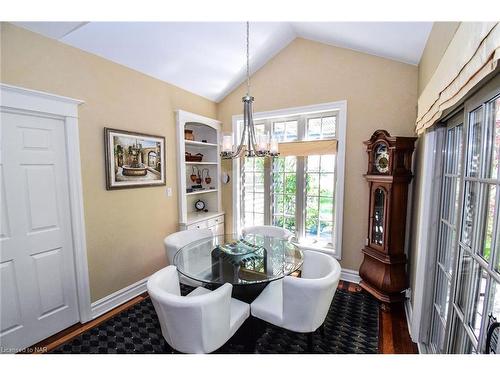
269, 230
175, 241
200, 322
300, 304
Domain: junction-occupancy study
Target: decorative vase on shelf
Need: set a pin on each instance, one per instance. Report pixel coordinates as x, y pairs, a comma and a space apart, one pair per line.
188, 135
193, 175
208, 179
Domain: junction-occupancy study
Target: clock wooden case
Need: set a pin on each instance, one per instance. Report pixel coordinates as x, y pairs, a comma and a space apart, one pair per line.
383, 271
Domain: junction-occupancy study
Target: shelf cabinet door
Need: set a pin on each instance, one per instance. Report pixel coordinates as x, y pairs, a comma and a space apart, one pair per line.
218, 229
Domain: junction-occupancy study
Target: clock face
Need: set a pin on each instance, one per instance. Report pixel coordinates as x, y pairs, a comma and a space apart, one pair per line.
381, 158
199, 205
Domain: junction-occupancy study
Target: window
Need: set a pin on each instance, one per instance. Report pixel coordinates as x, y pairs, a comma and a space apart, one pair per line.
284, 179
321, 127
467, 265
253, 191
320, 184
252, 183
285, 130
302, 189
478, 273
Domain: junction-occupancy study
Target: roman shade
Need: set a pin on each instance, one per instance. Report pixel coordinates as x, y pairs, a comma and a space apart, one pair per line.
472, 54
307, 148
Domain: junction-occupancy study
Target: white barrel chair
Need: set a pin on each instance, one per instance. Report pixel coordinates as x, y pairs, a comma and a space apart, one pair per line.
200, 322
175, 241
300, 304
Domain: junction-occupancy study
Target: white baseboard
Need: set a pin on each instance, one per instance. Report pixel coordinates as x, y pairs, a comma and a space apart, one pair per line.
118, 298
409, 315
350, 275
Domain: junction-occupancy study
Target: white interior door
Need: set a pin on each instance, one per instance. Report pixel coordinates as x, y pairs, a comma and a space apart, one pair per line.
38, 289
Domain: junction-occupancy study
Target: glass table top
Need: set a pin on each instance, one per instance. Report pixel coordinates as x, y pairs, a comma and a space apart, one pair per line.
239, 260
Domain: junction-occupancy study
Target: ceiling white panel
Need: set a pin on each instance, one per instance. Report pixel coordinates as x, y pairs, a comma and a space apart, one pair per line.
202, 57
208, 58
401, 41
55, 30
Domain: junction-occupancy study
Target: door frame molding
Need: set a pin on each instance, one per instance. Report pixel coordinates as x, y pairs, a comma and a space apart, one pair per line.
22, 100
425, 234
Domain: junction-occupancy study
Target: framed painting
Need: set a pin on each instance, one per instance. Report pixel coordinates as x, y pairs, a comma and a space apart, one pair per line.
133, 159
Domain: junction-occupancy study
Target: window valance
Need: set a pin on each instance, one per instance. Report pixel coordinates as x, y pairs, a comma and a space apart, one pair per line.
307, 148
472, 54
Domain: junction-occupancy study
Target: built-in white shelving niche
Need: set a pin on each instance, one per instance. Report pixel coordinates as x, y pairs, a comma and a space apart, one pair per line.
206, 134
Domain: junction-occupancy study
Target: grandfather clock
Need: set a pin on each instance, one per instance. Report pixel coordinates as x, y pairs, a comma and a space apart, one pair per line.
383, 271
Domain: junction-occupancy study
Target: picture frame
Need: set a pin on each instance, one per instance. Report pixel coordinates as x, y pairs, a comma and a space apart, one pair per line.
133, 160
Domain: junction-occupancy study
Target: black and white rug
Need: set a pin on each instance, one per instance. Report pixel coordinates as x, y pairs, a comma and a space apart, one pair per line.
352, 326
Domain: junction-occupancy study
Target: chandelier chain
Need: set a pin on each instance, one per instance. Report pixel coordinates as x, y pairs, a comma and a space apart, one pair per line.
249, 145
248, 58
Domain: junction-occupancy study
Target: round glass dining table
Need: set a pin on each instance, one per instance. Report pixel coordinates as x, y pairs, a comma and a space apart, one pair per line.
248, 262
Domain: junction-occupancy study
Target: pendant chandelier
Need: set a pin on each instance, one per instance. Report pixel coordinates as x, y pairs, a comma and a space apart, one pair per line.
251, 145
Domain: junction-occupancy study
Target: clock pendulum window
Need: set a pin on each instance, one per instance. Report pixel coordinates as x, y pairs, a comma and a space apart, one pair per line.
383, 271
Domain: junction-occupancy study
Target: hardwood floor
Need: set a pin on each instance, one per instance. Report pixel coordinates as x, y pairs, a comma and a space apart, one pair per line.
394, 334
394, 337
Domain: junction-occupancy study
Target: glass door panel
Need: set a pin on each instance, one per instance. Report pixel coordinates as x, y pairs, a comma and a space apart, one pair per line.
471, 196
469, 220
478, 292
475, 140
477, 281
494, 300
284, 191
447, 233
319, 189
490, 202
468, 268
461, 342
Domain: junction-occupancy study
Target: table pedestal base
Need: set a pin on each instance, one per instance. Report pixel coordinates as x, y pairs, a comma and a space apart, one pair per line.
245, 293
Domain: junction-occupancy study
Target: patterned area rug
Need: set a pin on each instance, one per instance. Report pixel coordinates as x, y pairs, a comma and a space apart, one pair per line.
350, 327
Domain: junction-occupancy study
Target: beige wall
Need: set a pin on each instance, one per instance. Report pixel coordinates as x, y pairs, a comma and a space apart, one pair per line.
125, 228
123, 248
437, 43
380, 94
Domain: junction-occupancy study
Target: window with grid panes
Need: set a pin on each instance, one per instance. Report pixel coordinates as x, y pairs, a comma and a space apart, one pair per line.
284, 179
478, 277
252, 182
321, 127
319, 209
300, 194
467, 272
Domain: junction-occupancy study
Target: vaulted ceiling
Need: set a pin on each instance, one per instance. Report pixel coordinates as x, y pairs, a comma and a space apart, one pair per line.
208, 58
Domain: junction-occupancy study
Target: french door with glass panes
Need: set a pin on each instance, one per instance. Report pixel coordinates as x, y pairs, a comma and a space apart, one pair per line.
447, 231
467, 275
